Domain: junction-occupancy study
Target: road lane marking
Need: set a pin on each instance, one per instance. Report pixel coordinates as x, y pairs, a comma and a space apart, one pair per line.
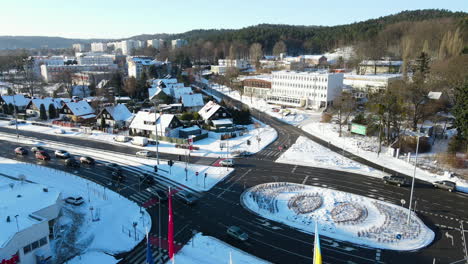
234, 182
305, 179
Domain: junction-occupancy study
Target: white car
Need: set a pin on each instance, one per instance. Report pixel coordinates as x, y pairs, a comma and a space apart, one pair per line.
227, 163
62, 154
143, 153
59, 131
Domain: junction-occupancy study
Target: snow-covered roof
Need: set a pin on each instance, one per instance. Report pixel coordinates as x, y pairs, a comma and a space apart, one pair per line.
221, 122
190, 129
80, 108
313, 57
192, 100
22, 200
178, 92
265, 77
209, 109
381, 62
153, 91
47, 101
119, 112
145, 121
166, 81
88, 116
434, 95
17, 99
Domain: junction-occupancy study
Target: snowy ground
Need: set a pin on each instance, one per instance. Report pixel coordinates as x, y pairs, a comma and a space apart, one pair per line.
209, 250
93, 257
115, 213
365, 147
209, 147
176, 173
306, 152
339, 215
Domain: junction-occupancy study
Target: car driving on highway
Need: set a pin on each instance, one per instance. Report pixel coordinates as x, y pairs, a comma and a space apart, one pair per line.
446, 185
237, 233
143, 153
113, 167
42, 155
71, 162
62, 154
21, 151
396, 180
227, 163
36, 149
87, 160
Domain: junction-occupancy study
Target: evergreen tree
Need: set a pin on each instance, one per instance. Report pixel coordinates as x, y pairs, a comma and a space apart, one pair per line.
460, 111
52, 111
11, 109
42, 112
103, 122
5, 109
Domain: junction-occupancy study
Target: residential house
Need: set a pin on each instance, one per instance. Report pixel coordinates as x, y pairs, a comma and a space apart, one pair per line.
17, 100
115, 116
34, 106
78, 111
213, 111
192, 102
257, 86
144, 124
379, 66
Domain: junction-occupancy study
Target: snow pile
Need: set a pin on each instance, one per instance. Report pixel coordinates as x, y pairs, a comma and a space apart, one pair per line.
306, 152
339, 215
209, 250
113, 215
93, 257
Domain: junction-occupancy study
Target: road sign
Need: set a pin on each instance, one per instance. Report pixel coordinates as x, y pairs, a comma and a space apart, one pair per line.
196, 173
358, 129
403, 202
398, 236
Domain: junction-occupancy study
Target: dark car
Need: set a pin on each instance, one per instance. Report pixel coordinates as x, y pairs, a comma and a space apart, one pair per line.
446, 185
87, 160
71, 162
146, 179
237, 233
113, 167
187, 197
118, 176
396, 180
42, 155
36, 149
162, 195
242, 154
21, 151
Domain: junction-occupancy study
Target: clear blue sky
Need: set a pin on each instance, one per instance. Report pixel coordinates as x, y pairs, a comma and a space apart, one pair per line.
119, 19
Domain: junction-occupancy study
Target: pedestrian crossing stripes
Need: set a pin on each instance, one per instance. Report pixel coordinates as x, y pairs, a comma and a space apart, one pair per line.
138, 254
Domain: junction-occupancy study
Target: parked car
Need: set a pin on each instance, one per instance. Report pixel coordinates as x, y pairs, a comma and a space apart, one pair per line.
396, 180
143, 153
162, 195
62, 154
187, 197
21, 151
59, 131
42, 155
113, 167
71, 162
446, 185
242, 154
87, 160
122, 138
227, 163
36, 149
237, 233
76, 201
140, 141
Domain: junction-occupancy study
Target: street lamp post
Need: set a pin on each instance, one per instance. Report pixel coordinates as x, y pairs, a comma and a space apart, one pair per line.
156, 129
412, 182
159, 221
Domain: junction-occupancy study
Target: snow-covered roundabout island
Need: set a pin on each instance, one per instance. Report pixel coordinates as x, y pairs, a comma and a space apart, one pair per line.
339, 215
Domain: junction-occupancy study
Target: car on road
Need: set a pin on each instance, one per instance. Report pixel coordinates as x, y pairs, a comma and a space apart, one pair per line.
396, 180
12, 122
71, 162
237, 233
87, 160
42, 155
36, 149
76, 201
227, 163
146, 179
446, 185
62, 154
113, 167
21, 151
59, 131
242, 154
187, 197
143, 153
118, 176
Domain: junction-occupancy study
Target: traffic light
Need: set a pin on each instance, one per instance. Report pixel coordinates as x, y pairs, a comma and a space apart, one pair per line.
155, 168
248, 142
170, 162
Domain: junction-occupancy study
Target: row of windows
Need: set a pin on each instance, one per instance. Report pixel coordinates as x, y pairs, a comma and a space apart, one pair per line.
301, 78
36, 244
300, 85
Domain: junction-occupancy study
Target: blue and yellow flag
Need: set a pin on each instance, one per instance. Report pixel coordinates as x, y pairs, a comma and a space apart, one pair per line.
317, 251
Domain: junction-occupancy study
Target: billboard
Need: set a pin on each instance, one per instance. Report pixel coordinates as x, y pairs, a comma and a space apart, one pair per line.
358, 129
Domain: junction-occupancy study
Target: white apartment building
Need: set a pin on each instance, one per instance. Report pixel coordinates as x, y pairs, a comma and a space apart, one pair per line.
52, 73
305, 89
127, 46
238, 63
155, 43
370, 83
98, 47
37, 61
136, 65
29, 212
178, 43
95, 59
79, 47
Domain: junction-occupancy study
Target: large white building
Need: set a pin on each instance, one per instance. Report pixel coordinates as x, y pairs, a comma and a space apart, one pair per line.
98, 47
136, 65
52, 73
155, 43
127, 46
178, 43
95, 59
28, 214
37, 61
370, 83
305, 89
80, 47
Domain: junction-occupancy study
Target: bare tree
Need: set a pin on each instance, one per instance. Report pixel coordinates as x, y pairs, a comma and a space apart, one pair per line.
256, 53
280, 47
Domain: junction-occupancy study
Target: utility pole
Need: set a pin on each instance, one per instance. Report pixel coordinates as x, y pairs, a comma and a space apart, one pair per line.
412, 183
16, 117
156, 129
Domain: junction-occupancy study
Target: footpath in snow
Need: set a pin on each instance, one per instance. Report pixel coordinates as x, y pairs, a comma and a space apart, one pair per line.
306, 152
177, 173
339, 215
113, 214
209, 250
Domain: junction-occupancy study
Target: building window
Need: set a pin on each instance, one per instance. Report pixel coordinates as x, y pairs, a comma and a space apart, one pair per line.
43, 241
35, 245
27, 249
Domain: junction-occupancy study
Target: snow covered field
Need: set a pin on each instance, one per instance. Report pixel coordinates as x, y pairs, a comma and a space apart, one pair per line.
209, 147
339, 215
175, 173
209, 250
306, 152
115, 213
